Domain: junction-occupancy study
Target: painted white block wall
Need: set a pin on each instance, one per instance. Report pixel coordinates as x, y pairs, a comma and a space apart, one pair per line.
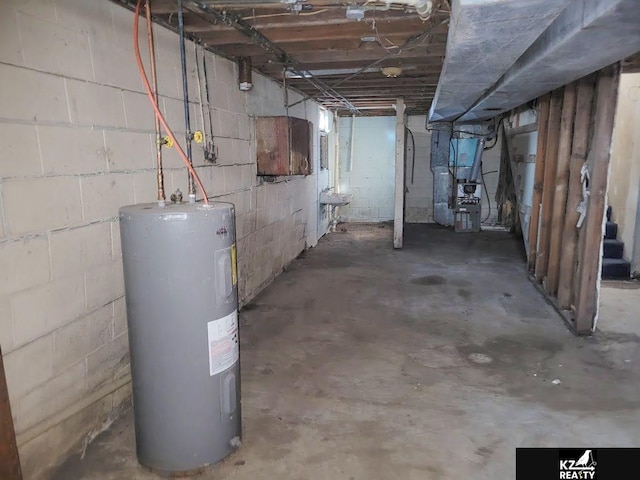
77, 143
369, 176
418, 175
623, 193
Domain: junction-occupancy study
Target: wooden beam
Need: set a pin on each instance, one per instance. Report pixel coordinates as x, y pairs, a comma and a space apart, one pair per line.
538, 182
249, 50
574, 196
398, 217
551, 160
336, 16
561, 188
9, 459
337, 45
589, 276
423, 64
321, 32
368, 54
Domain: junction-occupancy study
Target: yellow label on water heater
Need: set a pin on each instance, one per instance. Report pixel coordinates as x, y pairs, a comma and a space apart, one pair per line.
234, 267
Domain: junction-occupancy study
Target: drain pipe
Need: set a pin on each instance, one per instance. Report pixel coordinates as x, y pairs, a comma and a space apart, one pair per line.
185, 94
154, 86
335, 210
353, 133
336, 172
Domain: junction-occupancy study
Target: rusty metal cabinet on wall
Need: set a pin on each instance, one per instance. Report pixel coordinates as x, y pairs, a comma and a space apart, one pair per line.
283, 146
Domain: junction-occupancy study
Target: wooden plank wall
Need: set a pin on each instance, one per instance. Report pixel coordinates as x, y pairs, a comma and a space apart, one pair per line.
575, 126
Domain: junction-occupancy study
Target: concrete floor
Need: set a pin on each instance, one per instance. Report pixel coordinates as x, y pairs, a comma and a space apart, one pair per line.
434, 362
619, 307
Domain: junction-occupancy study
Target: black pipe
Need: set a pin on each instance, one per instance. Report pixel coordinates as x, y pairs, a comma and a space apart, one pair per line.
185, 94
210, 149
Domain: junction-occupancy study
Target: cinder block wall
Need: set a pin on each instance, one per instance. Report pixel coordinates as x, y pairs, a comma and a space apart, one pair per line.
370, 175
76, 143
419, 189
623, 194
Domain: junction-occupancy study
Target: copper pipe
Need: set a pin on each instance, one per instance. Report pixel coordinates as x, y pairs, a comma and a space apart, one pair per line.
154, 86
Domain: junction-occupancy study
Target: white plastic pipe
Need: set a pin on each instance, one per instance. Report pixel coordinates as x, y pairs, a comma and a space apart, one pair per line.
336, 170
353, 133
423, 7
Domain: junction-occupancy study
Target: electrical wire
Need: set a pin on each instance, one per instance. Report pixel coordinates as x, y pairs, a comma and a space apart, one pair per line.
484, 187
496, 129
374, 26
269, 15
413, 153
156, 108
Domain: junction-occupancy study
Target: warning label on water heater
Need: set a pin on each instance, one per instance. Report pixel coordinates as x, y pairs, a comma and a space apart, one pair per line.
224, 348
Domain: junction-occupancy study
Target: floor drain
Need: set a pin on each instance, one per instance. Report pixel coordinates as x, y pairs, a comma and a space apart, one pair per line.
480, 358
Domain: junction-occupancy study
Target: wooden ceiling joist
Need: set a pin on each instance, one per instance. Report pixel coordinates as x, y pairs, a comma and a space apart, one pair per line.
322, 41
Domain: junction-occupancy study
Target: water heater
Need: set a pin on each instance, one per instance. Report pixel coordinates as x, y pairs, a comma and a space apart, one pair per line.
182, 312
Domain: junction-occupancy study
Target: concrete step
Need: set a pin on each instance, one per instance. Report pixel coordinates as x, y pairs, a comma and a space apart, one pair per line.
611, 231
615, 269
613, 249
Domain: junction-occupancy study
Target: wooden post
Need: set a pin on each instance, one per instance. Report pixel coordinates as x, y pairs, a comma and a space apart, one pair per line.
544, 230
398, 218
574, 197
561, 188
543, 122
589, 275
9, 460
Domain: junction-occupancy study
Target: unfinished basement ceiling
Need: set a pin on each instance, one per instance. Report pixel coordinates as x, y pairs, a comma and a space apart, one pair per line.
340, 58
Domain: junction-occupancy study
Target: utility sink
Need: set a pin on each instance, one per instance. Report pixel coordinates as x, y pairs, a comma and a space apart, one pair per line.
335, 199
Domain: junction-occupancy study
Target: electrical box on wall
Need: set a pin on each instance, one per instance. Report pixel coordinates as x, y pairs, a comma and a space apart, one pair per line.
283, 146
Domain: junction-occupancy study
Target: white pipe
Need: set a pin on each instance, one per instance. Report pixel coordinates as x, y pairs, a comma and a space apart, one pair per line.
353, 132
423, 7
336, 172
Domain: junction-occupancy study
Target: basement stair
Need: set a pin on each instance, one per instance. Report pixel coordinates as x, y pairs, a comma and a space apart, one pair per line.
614, 266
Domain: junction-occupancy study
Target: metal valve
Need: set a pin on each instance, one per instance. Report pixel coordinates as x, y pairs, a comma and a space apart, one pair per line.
167, 142
198, 136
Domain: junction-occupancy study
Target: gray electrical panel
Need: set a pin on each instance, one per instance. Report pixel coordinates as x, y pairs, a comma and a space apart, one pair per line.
182, 312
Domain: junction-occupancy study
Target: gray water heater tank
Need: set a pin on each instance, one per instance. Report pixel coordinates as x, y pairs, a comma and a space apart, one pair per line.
182, 311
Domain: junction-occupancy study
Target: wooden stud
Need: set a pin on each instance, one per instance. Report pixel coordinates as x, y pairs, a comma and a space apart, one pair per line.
543, 122
551, 160
589, 275
9, 459
574, 196
561, 188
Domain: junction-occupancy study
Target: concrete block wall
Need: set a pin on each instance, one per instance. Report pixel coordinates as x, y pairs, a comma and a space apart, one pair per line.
623, 194
370, 175
76, 143
419, 190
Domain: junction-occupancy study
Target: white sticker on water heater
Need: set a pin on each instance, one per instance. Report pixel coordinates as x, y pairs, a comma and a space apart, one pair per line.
224, 349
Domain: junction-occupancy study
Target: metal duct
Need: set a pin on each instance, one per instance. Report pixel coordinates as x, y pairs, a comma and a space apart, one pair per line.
586, 37
440, 141
485, 38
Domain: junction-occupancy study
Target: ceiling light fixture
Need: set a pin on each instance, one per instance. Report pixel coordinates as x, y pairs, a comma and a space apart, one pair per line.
391, 72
